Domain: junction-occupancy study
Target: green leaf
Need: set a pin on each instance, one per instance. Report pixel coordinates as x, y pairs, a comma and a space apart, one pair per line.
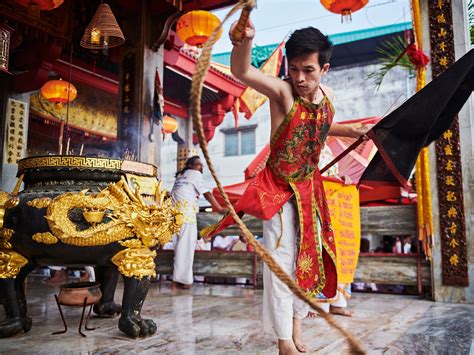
390, 57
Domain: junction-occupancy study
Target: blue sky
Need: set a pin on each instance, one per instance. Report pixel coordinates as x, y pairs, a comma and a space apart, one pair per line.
274, 19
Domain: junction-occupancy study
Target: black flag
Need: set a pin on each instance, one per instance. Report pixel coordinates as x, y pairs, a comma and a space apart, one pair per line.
422, 119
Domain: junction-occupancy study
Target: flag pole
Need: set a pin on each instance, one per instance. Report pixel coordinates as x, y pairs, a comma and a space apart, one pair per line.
343, 154
355, 144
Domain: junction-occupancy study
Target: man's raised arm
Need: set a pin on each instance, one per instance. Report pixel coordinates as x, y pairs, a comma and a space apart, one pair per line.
241, 68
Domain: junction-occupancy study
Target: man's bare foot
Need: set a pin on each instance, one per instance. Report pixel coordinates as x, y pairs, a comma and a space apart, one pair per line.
341, 311
298, 336
179, 286
287, 347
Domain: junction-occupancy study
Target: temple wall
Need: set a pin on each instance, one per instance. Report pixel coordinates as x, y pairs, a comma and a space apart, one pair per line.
355, 95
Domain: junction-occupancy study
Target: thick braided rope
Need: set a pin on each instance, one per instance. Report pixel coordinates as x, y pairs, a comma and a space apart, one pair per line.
202, 66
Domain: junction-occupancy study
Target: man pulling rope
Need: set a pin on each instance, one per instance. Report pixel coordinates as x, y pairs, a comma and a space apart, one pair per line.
301, 116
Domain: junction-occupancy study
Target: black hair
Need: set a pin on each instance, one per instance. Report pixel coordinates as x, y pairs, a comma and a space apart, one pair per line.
188, 165
306, 41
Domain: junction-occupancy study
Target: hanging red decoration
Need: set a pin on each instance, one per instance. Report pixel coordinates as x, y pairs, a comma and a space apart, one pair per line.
417, 57
35, 6
344, 7
56, 91
170, 124
195, 27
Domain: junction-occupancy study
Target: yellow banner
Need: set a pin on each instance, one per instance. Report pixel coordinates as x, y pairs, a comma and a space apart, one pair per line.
344, 207
250, 100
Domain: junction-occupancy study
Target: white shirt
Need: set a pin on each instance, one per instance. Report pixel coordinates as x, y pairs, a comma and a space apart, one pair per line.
185, 194
221, 242
407, 248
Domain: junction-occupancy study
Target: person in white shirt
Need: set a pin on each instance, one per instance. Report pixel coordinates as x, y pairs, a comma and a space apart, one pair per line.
185, 194
407, 245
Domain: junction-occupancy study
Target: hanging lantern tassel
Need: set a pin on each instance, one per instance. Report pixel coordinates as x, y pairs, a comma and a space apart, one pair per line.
344, 7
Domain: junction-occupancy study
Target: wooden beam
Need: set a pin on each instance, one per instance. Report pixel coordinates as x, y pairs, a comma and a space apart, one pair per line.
213, 263
389, 220
392, 270
255, 225
379, 220
387, 270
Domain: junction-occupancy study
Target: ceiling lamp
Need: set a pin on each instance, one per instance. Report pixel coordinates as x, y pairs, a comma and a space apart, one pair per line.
56, 91
170, 124
103, 31
195, 27
35, 6
344, 7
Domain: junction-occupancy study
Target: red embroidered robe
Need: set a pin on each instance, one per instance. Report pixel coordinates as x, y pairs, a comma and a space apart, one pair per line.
292, 169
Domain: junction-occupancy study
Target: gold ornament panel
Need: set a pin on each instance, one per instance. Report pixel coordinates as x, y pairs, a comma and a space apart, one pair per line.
137, 262
45, 238
68, 161
10, 263
71, 161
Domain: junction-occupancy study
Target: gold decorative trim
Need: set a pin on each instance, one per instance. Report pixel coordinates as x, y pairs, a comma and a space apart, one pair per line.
19, 181
10, 264
5, 244
41, 202
45, 238
284, 123
71, 161
6, 233
136, 262
6, 202
12, 203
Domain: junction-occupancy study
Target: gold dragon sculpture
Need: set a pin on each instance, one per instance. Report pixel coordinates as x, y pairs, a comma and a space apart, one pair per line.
115, 214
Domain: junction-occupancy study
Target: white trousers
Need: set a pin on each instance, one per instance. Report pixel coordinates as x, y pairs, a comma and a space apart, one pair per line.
280, 306
184, 245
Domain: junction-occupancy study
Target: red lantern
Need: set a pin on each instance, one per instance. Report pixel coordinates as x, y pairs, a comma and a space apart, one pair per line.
56, 91
170, 124
344, 7
35, 6
195, 27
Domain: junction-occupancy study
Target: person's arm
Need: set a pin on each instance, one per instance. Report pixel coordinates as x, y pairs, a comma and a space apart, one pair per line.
344, 130
272, 87
215, 205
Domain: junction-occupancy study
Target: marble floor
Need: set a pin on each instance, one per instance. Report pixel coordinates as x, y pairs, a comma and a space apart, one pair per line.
216, 319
